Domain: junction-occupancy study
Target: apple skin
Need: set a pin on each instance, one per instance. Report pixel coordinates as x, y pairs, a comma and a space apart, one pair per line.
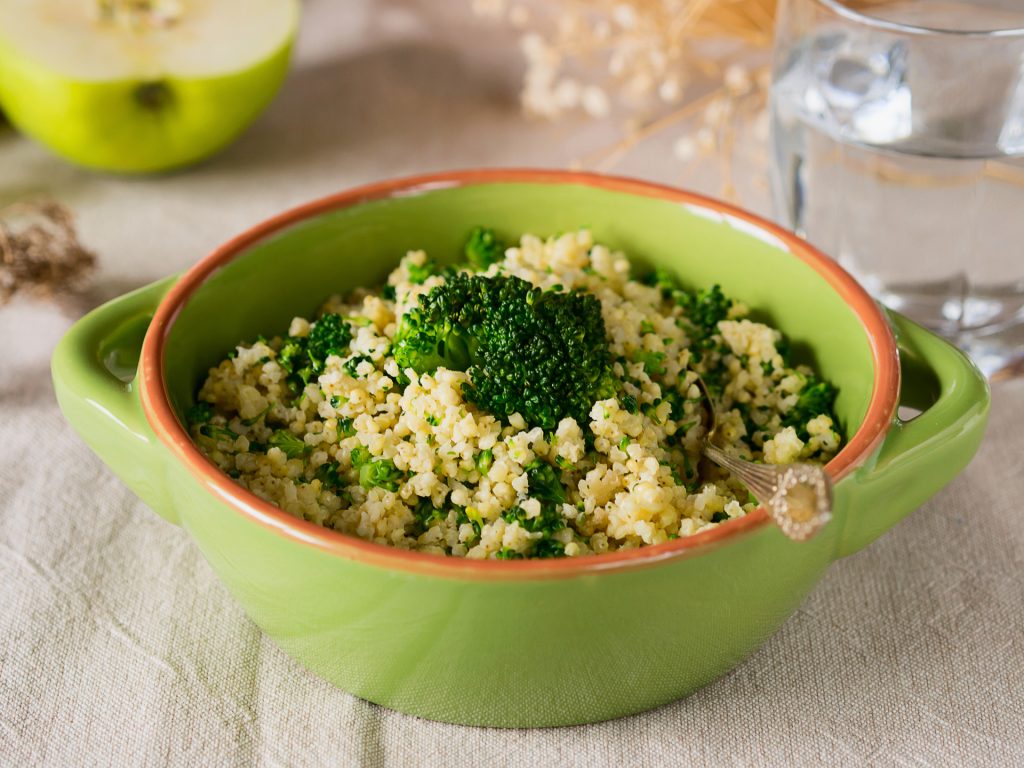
106, 126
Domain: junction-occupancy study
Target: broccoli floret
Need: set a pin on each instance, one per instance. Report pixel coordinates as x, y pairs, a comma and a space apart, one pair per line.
677, 400
706, 308
303, 357
418, 273
545, 486
483, 248
464, 515
293, 359
294, 447
544, 482
548, 522
330, 335
542, 354
506, 553
424, 515
330, 476
663, 280
359, 456
375, 473
351, 365
200, 413
549, 548
430, 335
380, 473
817, 397
654, 362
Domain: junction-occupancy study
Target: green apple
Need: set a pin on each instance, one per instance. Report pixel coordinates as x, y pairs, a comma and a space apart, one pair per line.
141, 85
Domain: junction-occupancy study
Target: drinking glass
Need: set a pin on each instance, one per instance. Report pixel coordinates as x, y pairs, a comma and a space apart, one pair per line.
898, 149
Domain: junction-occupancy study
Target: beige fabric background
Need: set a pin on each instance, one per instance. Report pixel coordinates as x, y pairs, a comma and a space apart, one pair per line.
118, 646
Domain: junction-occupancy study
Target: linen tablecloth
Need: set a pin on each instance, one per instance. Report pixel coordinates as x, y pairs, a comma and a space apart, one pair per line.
118, 646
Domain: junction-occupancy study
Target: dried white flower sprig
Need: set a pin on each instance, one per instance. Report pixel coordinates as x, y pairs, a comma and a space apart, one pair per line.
40, 253
651, 62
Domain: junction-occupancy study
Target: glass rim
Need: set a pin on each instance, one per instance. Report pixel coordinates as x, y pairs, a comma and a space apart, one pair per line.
840, 8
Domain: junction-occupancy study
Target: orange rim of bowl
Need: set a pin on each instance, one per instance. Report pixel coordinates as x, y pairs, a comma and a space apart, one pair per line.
161, 416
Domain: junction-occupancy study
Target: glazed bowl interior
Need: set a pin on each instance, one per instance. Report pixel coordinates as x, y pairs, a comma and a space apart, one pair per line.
291, 271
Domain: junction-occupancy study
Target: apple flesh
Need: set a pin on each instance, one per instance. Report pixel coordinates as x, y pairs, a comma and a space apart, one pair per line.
119, 86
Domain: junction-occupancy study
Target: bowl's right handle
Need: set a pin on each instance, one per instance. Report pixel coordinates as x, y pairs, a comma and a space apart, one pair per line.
94, 369
919, 456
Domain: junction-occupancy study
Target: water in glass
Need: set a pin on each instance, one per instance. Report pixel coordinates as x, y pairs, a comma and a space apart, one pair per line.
898, 141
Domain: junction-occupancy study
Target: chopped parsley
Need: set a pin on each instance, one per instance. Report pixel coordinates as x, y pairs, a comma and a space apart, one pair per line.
294, 447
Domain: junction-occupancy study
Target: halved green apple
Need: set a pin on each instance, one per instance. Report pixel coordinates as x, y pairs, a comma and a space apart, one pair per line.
141, 85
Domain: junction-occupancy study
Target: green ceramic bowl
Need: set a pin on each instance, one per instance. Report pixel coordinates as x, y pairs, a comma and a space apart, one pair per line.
514, 643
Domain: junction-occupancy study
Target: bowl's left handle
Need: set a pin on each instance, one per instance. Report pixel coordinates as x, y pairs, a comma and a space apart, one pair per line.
94, 369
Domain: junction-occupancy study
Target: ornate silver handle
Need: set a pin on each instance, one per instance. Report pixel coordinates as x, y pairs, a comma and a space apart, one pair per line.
798, 497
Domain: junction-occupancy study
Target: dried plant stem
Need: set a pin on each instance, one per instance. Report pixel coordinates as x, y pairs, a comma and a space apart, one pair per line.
604, 158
